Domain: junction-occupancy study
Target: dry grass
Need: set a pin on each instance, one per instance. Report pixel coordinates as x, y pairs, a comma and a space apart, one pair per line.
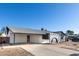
76, 49
14, 52
70, 45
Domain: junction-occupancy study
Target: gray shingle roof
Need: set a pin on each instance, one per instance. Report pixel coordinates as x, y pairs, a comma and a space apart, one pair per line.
27, 30
59, 32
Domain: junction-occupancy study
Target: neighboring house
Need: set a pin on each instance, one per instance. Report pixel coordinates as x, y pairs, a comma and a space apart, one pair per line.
76, 35
74, 38
4, 38
25, 35
3, 35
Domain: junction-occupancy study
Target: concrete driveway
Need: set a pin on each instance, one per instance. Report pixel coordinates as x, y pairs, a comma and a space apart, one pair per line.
48, 50
45, 50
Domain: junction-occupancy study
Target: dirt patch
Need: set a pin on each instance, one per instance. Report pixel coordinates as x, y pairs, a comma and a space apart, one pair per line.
70, 45
14, 52
71, 48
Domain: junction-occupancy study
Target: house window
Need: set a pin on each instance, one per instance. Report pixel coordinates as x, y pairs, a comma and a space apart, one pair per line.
46, 36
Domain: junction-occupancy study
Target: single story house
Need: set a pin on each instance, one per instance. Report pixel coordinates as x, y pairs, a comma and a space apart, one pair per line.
26, 35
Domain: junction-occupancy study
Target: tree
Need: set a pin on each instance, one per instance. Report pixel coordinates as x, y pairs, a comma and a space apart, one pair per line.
3, 29
0, 33
69, 32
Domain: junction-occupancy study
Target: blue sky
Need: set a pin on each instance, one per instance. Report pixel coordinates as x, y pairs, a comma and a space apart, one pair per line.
54, 17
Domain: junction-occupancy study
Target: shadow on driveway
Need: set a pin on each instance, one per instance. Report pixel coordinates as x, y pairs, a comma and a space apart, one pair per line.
76, 54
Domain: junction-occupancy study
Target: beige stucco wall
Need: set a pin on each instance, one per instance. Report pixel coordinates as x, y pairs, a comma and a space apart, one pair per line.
20, 38
36, 38
12, 38
11, 35
45, 41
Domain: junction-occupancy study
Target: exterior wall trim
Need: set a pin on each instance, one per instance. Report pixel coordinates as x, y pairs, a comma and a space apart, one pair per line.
14, 38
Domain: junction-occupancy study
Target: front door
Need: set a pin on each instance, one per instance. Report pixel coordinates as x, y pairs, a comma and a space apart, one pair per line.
28, 38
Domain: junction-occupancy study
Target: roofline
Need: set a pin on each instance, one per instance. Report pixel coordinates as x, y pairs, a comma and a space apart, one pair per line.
24, 33
9, 29
35, 33
28, 33
58, 32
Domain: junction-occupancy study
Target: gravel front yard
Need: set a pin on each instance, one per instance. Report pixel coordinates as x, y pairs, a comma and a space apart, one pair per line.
14, 52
